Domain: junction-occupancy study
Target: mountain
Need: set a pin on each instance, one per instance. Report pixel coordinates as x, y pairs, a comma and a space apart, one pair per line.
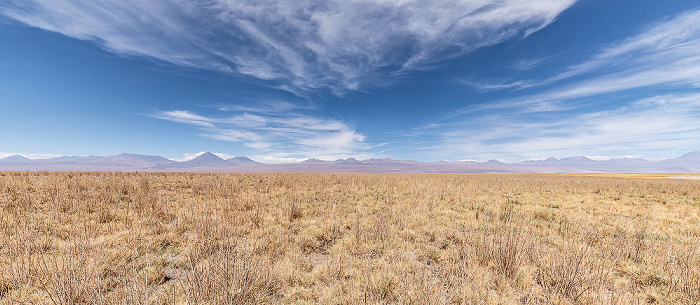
548, 161
578, 160
347, 161
242, 160
209, 162
144, 158
570, 161
689, 157
205, 159
387, 161
126, 159
628, 161
314, 160
689, 162
16, 159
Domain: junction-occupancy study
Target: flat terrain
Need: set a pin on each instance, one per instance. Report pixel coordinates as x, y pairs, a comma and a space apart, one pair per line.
187, 238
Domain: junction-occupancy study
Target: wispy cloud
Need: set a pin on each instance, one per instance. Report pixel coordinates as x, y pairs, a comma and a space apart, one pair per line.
29, 156
527, 64
653, 127
266, 106
491, 85
277, 136
664, 54
638, 96
299, 46
673, 41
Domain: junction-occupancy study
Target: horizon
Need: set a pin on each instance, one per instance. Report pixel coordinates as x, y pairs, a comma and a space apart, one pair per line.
282, 82
224, 156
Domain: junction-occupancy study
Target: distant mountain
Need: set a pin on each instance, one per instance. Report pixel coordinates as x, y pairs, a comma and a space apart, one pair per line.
578, 160
122, 160
628, 161
144, 158
205, 159
378, 161
347, 161
241, 160
689, 162
570, 161
314, 160
494, 162
126, 159
689, 157
548, 161
209, 162
16, 159
387, 161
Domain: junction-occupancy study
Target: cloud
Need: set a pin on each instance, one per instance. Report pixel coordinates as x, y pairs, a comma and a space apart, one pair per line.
637, 96
265, 107
664, 54
651, 127
299, 46
281, 136
671, 41
186, 117
29, 156
276, 160
492, 86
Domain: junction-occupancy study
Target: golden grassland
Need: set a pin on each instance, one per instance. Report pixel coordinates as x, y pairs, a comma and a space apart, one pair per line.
175, 238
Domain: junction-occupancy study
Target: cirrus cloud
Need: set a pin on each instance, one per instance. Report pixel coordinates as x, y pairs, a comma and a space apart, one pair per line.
280, 136
299, 46
639, 95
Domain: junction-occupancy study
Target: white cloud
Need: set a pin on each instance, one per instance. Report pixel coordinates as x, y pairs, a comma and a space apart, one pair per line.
265, 107
671, 41
292, 135
185, 117
664, 54
651, 128
276, 160
302, 45
29, 156
638, 96
605, 158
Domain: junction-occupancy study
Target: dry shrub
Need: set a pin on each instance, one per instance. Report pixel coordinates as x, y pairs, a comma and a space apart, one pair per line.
16, 265
683, 271
380, 289
64, 276
571, 271
632, 246
68, 278
506, 247
231, 275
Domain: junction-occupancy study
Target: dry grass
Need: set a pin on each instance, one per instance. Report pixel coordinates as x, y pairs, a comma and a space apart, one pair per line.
170, 238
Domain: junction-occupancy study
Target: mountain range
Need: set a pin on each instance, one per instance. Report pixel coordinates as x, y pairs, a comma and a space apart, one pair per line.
209, 162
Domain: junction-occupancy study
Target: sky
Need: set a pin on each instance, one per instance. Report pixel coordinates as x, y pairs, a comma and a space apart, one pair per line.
283, 81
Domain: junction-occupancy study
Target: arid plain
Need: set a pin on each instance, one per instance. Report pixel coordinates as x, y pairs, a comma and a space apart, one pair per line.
189, 238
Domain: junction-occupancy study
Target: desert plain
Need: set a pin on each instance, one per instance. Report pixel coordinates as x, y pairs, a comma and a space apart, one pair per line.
213, 238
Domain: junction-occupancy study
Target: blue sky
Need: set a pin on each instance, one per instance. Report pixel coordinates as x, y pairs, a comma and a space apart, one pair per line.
282, 81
